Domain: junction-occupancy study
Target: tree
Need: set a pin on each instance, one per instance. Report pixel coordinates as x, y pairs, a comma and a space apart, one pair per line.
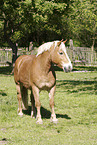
23, 21
11, 20
48, 19
83, 21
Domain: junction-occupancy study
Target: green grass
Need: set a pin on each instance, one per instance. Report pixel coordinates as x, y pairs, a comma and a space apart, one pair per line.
75, 107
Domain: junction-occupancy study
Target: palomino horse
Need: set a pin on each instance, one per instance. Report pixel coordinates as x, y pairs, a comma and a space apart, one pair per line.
36, 73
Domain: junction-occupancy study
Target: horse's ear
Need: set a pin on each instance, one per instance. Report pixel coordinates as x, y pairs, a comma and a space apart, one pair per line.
58, 44
64, 41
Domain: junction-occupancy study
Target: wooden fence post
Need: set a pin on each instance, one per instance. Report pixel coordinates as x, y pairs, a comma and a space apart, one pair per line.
92, 50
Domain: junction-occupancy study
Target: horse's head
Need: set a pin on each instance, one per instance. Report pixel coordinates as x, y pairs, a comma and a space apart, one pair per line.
60, 56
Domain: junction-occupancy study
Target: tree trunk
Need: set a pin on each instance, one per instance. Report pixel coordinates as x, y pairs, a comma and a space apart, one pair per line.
10, 43
14, 51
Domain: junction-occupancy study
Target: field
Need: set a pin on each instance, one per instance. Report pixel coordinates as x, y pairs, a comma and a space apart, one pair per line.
75, 107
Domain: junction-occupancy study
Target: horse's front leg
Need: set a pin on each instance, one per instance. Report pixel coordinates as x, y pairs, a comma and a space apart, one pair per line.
51, 99
35, 91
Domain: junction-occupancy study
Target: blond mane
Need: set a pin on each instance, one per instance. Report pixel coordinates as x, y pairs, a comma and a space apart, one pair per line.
45, 47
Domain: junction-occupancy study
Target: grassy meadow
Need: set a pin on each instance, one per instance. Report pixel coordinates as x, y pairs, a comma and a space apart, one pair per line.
75, 107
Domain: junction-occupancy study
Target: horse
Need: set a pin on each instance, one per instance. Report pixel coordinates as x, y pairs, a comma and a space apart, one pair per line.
36, 73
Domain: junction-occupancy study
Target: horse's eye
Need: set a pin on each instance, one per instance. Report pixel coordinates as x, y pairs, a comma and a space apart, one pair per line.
61, 53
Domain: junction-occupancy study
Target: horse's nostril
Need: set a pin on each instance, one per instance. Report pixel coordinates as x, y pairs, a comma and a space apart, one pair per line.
70, 68
67, 69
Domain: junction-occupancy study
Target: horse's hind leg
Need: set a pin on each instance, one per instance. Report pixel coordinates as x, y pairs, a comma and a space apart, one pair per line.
33, 111
19, 97
51, 99
24, 94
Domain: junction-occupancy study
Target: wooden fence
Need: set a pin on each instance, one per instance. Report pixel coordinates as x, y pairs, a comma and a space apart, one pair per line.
82, 56
6, 55
78, 55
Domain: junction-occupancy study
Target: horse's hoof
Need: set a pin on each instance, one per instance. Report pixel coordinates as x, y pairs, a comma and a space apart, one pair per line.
25, 108
54, 120
39, 121
32, 116
20, 114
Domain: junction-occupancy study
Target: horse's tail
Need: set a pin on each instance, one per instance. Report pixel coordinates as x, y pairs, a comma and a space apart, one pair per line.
24, 93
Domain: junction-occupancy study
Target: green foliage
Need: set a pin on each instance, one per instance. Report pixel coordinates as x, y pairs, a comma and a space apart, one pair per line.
83, 21
32, 19
40, 21
75, 107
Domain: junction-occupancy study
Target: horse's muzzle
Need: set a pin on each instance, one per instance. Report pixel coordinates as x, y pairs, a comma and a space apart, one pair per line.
68, 68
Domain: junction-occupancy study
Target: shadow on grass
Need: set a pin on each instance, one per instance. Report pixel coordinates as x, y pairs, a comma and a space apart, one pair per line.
71, 85
3, 93
46, 113
6, 70
85, 68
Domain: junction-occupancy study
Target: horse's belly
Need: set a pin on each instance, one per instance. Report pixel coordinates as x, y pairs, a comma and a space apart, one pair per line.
46, 85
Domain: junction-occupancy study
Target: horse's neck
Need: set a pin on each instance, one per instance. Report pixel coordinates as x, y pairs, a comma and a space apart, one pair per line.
45, 61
